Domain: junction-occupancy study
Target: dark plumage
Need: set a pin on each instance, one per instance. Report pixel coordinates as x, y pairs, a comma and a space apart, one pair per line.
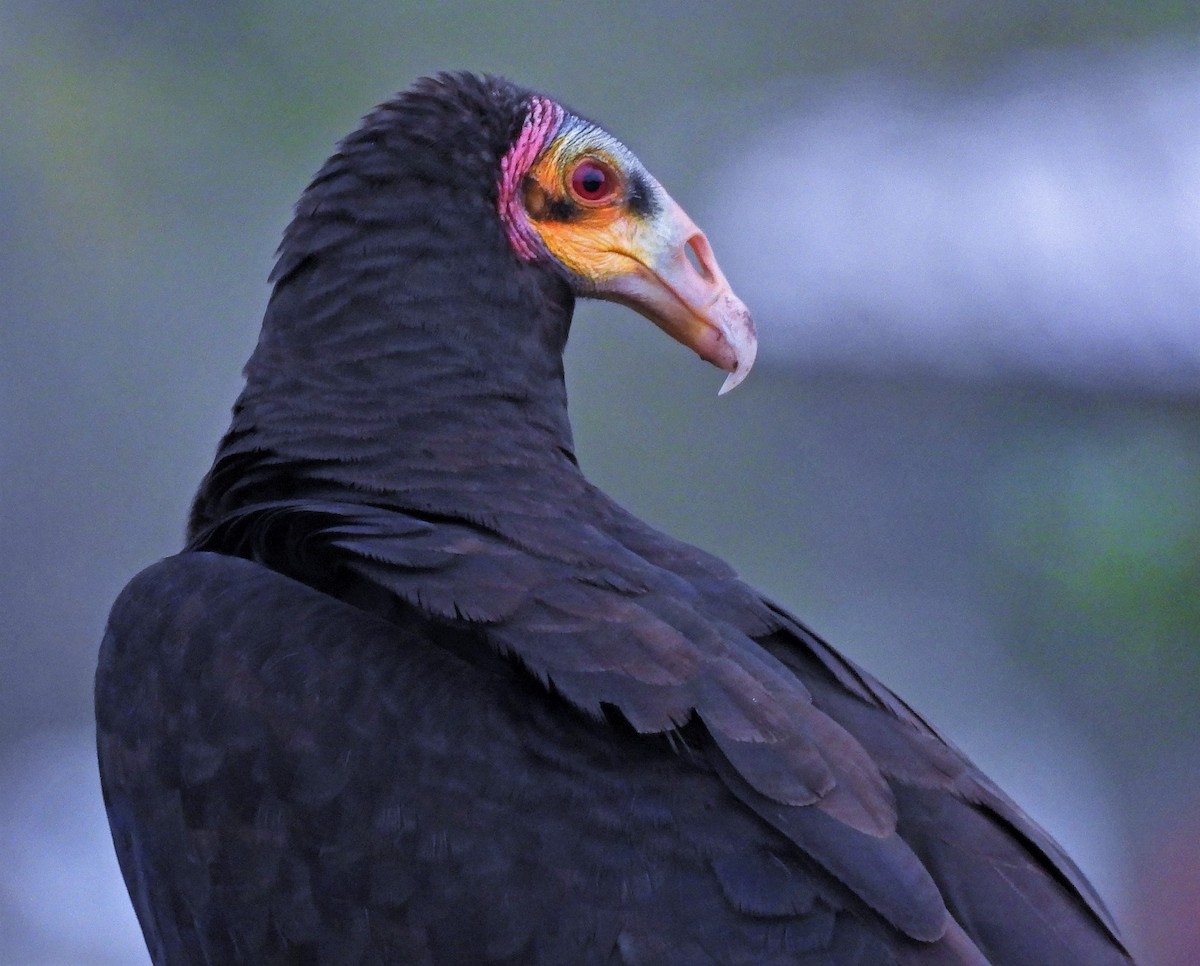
416, 692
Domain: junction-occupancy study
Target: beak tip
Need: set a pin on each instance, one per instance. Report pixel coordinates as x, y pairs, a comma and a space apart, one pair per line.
732, 381
738, 330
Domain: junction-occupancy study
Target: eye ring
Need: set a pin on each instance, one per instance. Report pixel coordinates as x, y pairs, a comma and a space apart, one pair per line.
593, 182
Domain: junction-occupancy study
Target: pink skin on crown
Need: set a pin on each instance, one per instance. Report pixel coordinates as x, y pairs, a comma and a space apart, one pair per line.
543, 120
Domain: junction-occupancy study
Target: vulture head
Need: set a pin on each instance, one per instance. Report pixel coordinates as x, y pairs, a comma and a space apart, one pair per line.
575, 199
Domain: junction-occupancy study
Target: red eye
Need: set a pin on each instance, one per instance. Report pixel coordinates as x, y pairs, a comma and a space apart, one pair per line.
593, 181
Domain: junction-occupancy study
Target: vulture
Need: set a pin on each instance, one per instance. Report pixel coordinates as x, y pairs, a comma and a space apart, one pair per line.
415, 691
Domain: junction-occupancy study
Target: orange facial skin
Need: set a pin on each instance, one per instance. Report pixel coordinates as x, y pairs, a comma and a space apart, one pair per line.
617, 231
596, 241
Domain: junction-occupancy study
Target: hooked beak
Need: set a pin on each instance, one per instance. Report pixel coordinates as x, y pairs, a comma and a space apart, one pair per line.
692, 303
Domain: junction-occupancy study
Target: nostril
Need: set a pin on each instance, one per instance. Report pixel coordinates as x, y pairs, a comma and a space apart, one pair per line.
698, 254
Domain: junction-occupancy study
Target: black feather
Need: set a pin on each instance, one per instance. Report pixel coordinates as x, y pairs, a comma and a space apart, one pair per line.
417, 692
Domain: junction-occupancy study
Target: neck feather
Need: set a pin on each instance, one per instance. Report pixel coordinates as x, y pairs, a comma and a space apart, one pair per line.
408, 354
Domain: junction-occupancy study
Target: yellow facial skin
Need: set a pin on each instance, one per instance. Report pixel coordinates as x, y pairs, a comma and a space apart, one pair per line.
631, 243
596, 241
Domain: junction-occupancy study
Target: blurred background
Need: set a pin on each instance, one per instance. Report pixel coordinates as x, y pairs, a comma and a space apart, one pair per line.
969, 456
